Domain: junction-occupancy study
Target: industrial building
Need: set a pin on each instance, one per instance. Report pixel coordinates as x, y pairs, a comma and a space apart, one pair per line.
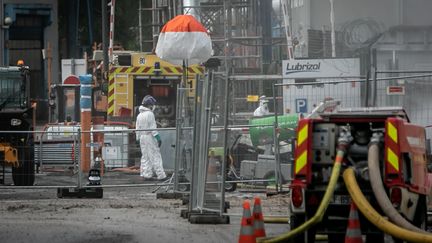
215, 121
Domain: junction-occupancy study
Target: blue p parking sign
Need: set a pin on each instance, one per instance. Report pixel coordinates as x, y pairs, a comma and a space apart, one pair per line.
301, 105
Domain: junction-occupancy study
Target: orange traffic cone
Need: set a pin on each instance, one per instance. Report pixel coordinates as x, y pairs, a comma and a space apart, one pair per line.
246, 229
353, 233
258, 219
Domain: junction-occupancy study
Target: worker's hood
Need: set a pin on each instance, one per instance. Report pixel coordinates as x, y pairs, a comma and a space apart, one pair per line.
143, 108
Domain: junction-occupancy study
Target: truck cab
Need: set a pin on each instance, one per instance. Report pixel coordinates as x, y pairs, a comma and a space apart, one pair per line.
16, 122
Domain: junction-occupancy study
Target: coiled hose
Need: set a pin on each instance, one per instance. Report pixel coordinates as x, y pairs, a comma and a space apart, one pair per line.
380, 193
374, 217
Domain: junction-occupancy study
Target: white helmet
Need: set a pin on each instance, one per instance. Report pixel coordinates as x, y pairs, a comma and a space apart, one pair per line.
263, 100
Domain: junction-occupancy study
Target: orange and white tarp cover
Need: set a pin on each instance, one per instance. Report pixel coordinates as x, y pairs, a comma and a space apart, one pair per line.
184, 39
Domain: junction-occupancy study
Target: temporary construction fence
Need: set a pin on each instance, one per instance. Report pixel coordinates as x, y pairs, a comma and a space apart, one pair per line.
225, 154
409, 90
56, 157
206, 154
302, 98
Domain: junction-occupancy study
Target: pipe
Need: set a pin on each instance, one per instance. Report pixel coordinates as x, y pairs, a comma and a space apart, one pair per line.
276, 220
332, 25
85, 105
322, 207
105, 40
380, 193
374, 217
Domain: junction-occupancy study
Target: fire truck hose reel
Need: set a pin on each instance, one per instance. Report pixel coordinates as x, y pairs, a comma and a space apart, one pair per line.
322, 207
379, 191
374, 217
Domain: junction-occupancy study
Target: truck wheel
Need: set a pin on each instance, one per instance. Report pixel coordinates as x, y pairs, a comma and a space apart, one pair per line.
230, 186
24, 175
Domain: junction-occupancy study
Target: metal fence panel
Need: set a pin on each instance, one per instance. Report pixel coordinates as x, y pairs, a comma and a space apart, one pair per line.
303, 98
413, 94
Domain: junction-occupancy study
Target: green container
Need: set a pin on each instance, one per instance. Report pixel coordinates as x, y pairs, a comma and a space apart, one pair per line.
264, 135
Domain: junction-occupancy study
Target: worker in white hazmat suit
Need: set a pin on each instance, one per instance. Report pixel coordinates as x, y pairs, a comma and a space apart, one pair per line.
150, 141
262, 109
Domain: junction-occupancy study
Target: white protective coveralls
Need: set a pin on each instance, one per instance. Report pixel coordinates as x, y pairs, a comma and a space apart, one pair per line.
151, 158
262, 109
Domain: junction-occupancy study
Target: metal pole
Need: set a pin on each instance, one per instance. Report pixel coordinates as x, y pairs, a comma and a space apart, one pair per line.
227, 11
170, 10
374, 90
203, 159
140, 25
195, 146
49, 79
40, 150
76, 35
90, 21
76, 136
178, 134
105, 40
276, 141
208, 110
111, 34
403, 71
367, 88
286, 10
155, 20
332, 24
79, 161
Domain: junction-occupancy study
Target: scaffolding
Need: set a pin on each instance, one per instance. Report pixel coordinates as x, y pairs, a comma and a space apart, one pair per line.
161, 11
254, 40
249, 40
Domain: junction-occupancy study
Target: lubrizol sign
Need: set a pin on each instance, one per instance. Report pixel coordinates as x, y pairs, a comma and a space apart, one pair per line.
321, 68
304, 98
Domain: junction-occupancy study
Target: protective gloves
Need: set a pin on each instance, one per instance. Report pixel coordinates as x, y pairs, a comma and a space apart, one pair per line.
158, 139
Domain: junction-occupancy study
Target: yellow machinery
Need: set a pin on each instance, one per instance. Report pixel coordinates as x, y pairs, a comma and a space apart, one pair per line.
140, 74
10, 154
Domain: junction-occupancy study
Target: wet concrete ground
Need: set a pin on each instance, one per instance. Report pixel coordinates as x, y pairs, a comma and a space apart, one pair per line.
124, 214
127, 214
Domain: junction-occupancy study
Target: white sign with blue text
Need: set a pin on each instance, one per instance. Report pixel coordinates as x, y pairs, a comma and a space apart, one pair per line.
309, 76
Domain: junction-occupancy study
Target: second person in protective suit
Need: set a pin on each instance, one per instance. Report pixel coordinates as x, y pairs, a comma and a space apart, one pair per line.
262, 109
150, 141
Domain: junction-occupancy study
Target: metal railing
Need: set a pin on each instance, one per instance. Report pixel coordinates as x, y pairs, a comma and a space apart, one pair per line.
57, 158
